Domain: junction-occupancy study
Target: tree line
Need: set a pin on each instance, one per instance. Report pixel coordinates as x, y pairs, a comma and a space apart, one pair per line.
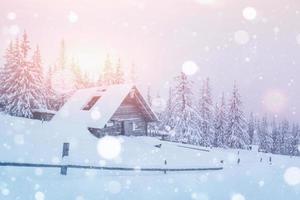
192, 117
189, 116
27, 86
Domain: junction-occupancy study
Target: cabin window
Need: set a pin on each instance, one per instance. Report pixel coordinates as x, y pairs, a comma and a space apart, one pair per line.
91, 103
66, 147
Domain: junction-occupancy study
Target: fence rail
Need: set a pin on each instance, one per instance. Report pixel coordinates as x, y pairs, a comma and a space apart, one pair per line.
14, 164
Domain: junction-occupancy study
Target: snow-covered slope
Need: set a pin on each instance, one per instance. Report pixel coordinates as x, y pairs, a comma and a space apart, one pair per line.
23, 140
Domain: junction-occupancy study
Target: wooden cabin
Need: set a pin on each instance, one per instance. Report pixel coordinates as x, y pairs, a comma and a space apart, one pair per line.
112, 110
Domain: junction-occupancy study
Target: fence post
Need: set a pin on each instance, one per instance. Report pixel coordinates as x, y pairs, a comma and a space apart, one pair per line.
65, 152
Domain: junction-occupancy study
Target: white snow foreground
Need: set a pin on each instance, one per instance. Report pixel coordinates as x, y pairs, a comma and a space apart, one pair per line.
30, 141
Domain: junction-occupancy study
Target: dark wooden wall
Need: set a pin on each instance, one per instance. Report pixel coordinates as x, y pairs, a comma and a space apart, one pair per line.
128, 118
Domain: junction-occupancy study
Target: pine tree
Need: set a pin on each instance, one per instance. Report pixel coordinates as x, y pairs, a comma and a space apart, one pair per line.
24, 81
49, 91
206, 113
220, 123
167, 118
77, 75
18, 83
107, 76
62, 60
4, 75
237, 136
185, 124
295, 148
276, 137
285, 137
119, 74
24, 46
251, 128
37, 87
265, 137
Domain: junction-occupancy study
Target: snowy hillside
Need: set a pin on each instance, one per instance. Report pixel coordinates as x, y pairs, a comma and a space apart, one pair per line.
30, 141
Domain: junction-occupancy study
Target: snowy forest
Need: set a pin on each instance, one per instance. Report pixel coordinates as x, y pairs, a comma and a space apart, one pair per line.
190, 114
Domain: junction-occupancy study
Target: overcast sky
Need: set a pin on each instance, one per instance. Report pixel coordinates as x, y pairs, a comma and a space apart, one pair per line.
254, 42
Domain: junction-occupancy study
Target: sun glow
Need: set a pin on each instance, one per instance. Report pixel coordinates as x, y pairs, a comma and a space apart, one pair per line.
89, 60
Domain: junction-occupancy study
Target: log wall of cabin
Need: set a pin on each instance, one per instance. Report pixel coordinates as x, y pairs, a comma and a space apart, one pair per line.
128, 112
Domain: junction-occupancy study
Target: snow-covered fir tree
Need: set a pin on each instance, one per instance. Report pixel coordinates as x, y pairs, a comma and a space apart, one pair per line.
296, 140
167, 120
294, 144
276, 137
77, 75
50, 94
7, 68
24, 81
205, 110
62, 60
107, 76
220, 123
288, 140
285, 137
265, 137
38, 89
184, 114
237, 136
119, 73
251, 128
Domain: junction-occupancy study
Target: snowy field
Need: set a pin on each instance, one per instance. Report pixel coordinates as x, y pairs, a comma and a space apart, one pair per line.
31, 141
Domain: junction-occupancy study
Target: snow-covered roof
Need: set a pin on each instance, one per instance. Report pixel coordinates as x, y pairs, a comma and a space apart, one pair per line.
109, 99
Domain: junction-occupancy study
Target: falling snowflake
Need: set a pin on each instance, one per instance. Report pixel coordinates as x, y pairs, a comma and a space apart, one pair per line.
11, 16
19, 139
292, 176
39, 196
5, 192
249, 13
114, 187
189, 67
238, 197
261, 183
241, 37
298, 39
38, 171
73, 17
109, 147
